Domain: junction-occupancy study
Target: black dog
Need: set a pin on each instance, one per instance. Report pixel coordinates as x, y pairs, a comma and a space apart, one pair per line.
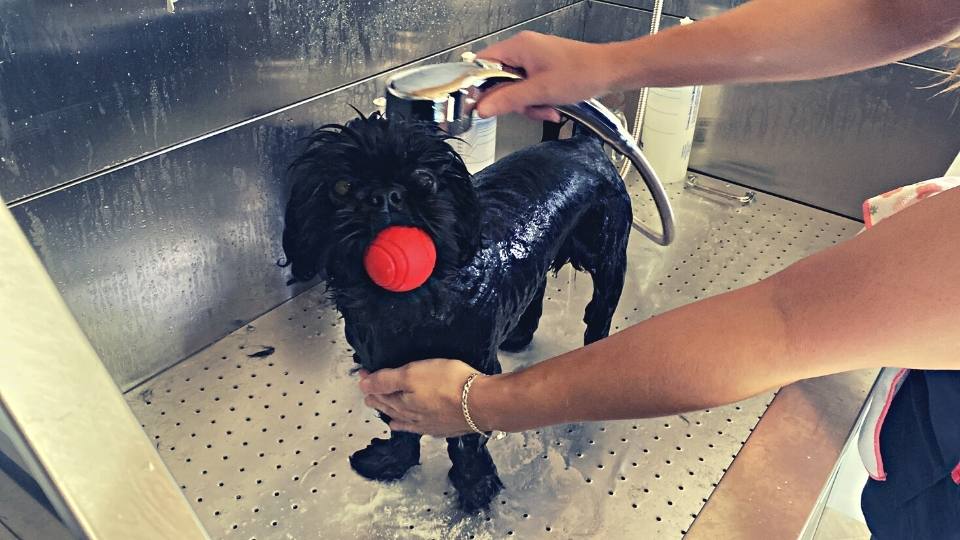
497, 235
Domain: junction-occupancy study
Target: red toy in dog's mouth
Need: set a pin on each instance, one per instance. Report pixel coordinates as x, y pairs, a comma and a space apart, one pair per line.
400, 259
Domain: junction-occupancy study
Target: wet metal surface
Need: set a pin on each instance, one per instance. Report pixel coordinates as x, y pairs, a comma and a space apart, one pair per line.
944, 58
260, 444
159, 259
91, 83
695, 9
801, 436
65, 419
830, 143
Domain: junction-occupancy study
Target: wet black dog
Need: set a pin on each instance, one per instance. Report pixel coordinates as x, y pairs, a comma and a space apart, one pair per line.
497, 235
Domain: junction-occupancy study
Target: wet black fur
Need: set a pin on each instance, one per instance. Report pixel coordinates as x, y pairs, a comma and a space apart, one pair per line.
498, 234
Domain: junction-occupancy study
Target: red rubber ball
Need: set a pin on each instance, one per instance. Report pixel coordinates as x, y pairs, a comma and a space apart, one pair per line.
400, 259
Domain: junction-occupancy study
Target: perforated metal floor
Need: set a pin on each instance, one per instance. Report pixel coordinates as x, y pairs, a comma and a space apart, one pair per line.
260, 442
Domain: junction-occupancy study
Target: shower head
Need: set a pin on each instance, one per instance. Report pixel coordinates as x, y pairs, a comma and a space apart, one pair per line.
447, 94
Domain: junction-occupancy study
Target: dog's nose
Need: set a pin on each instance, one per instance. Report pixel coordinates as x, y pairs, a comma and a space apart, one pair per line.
387, 199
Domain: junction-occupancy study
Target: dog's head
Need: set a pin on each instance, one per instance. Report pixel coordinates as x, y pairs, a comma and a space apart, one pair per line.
354, 180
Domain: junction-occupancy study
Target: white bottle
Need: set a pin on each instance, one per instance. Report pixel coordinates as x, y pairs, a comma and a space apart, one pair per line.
478, 146
668, 127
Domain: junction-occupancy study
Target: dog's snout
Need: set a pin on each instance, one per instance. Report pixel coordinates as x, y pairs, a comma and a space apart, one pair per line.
387, 199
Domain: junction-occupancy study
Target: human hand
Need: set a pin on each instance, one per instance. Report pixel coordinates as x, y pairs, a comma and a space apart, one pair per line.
421, 397
559, 71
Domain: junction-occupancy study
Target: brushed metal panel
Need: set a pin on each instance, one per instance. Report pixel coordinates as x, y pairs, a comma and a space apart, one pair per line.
831, 143
68, 421
695, 9
943, 58
607, 22
88, 84
23, 518
159, 259
772, 486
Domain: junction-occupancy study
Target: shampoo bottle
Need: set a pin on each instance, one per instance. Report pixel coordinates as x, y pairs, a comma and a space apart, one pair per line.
668, 127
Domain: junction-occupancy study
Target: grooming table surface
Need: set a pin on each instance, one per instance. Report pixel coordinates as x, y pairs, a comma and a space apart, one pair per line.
260, 444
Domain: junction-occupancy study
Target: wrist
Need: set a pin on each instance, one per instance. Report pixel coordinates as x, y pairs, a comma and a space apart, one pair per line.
621, 66
486, 402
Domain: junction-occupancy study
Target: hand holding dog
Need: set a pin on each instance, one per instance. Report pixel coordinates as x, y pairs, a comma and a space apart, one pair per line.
422, 397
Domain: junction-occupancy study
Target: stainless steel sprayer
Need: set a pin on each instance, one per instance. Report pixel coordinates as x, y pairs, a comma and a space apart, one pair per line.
446, 94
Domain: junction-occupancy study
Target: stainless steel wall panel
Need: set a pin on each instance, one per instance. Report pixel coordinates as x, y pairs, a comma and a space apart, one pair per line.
88, 84
159, 259
695, 9
944, 58
831, 143
608, 22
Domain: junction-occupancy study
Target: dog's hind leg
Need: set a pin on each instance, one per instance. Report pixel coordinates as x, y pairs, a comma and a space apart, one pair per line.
387, 459
522, 334
607, 265
473, 473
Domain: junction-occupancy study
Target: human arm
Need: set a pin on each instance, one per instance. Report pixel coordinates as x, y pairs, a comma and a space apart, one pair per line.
760, 41
890, 296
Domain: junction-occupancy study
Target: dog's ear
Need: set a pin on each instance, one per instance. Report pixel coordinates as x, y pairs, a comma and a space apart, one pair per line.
467, 226
307, 223
304, 239
466, 205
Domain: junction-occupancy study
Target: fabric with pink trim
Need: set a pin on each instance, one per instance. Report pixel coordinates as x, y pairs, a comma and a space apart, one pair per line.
891, 379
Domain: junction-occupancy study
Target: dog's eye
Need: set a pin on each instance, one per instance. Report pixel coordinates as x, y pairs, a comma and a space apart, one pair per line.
425, 180
342, 187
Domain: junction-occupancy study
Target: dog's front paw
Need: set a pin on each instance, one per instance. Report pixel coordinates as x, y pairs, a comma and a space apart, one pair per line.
476, 494
386, 459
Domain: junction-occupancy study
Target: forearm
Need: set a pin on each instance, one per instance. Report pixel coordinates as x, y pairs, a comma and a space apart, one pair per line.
888, 297
777, 40
694, 357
